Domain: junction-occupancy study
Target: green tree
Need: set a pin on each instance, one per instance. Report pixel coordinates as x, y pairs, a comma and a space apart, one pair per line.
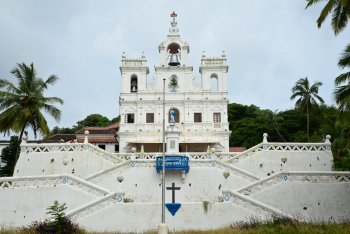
93, 120
340, 10
342, 92
247, 124
22, 105
116, 119
8, 156
307, 98
57, 130
341, 144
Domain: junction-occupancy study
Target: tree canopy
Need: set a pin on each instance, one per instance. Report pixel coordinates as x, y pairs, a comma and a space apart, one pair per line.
92, 120
22, 103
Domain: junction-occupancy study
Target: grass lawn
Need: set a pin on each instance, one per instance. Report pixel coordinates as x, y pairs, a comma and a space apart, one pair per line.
282, 228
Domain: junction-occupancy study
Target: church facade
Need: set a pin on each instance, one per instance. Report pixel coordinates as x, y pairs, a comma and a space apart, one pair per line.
199, 111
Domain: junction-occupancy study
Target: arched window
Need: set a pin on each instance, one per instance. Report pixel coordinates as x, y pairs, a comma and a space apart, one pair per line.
173, 48
176, 115
133, 84
174, 54
214, 83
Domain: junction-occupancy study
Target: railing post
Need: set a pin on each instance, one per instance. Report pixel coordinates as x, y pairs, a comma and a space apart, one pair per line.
328, 143
265, 135
86, 139
24, 139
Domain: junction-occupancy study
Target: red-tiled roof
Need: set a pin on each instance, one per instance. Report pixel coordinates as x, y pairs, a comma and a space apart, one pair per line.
101, 130
237, 149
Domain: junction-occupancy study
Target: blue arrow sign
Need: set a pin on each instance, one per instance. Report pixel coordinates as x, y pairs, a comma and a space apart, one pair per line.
173, 207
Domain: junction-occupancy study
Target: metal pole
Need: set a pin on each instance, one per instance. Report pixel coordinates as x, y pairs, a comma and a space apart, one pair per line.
163, 170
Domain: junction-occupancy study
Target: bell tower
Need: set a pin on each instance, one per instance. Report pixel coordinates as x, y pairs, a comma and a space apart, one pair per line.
174, 62
173, 51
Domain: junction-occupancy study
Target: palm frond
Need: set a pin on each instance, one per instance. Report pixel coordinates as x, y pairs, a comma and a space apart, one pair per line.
342, 97
342, 78
53, 100
320, 99
344, 60
296, 94
51, 80
53, 111
312, 2
339, 18
9, 86
325, 12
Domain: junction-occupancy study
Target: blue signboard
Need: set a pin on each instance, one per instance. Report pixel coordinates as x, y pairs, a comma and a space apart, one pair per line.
173, 163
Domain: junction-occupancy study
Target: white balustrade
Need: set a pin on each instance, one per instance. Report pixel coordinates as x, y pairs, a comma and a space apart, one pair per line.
51, 181
96, 205
71, 147
312, 177
287, 147
260, 209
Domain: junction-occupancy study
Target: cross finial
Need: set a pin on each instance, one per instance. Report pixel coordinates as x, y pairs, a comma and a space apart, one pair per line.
174, 15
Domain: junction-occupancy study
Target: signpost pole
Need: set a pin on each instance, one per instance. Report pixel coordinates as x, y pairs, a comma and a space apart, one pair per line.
163, 229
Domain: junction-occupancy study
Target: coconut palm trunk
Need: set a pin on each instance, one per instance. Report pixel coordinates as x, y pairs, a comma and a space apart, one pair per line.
307, 123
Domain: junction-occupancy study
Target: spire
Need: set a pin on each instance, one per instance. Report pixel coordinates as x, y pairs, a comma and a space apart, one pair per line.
174, 30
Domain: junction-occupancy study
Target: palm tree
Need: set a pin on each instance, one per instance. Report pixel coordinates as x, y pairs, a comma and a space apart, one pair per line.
340, 10
308, 97
275, 118
22, 105
342, 92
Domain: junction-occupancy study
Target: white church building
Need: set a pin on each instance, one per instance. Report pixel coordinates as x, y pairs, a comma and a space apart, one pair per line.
200, 110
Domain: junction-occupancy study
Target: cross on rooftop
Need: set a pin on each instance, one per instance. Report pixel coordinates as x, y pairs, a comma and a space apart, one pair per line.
174, 15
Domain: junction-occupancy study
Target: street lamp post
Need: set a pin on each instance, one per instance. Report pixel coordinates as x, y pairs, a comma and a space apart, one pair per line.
163, 229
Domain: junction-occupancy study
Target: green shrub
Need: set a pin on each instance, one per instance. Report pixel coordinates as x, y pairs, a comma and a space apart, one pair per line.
58, 223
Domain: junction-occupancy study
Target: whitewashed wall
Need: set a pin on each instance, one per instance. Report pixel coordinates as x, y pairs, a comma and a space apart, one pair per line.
25, 199
138, 217
303, 157
141, 183
76, 159
94, 195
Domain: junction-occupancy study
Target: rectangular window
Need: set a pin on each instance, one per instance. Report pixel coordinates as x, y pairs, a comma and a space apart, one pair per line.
197, 117
116, 148
217, 117
149, 117
130, 118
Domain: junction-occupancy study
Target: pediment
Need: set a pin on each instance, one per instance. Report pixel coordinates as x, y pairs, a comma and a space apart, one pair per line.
150, 109
217, 108
197, 108
130, 109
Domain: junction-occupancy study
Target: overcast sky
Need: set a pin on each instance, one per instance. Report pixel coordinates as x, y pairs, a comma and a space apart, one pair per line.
269, 45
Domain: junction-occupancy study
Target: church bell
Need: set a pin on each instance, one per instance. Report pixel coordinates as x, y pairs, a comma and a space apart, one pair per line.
174, 60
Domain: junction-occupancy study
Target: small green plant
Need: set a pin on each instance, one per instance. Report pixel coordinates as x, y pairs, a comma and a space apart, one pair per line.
58, 222
57, 214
